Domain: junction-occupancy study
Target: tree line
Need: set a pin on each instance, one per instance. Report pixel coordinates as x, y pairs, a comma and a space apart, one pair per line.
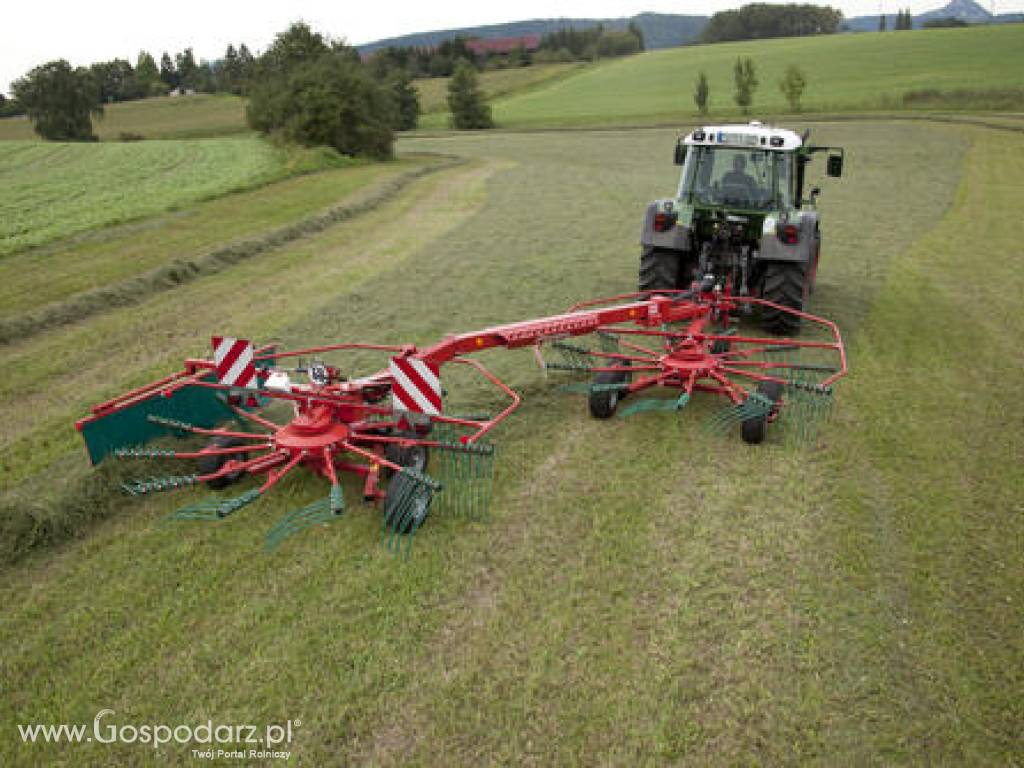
759, 21
564, 45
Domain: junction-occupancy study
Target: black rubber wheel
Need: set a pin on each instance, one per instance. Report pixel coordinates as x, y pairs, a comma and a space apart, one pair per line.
603, 404
397, 489
659, 269
785, 283
210, 464
415, 456
754, 430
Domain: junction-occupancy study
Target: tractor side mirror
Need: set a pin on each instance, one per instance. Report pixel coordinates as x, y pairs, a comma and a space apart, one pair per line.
680, 156
835, 166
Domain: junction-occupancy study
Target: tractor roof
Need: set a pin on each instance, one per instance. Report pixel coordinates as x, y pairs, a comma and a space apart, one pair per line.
752, 134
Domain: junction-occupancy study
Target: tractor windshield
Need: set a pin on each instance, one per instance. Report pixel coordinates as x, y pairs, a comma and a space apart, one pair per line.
751, 179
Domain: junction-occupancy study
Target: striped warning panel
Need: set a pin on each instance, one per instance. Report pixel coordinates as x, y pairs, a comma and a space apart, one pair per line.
415, 386
233, 358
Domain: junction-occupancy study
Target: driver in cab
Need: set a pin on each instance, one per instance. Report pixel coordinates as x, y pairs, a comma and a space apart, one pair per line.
738, 180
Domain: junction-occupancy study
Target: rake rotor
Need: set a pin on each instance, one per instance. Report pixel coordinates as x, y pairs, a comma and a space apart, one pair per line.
390, 428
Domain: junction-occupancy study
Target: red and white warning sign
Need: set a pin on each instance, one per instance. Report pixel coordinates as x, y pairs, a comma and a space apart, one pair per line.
234, 362
415, 385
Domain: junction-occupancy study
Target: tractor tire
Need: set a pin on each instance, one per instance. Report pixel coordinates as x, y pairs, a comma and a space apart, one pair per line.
207, 465
659, 269
812, 281
754, 430
603, 404
786, 284
415, 456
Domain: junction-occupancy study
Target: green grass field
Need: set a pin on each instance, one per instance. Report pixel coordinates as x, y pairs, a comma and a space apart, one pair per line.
641, 592
496, 83
183, 117
846, 73
52, 190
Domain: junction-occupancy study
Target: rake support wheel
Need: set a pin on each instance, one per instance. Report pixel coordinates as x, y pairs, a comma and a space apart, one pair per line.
210, 464
754, 430
604, 402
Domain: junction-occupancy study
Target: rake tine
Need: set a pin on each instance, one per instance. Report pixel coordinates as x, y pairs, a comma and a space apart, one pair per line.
296, 521
156, 484
216, 509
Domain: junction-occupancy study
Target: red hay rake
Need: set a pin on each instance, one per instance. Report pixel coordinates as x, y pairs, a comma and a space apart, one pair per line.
390, 428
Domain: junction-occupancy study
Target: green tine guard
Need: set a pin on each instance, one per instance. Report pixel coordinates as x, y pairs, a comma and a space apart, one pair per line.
756, 406
410, 494
156, 484
163, 421
215, 509
467, 473
319, 512
652, 404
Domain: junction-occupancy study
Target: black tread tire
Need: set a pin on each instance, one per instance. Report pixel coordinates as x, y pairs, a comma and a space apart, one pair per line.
207, 465
785, 283
754, 430
603, 404
659, 269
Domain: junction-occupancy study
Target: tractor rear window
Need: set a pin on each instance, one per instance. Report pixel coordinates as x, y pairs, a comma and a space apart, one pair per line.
740, 178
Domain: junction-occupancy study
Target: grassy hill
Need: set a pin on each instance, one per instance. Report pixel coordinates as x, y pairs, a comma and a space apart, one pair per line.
201, 115
846, 73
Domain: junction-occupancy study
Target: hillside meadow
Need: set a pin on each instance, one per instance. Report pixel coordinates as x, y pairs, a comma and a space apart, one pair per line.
640, 590
845, 73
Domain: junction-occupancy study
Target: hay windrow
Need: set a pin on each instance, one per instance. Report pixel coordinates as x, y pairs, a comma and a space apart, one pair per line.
180, 271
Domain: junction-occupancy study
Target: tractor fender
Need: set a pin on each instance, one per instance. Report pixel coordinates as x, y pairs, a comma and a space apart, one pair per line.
677, 238
771, 248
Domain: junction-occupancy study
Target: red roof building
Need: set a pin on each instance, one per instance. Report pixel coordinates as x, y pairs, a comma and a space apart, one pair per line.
483, 47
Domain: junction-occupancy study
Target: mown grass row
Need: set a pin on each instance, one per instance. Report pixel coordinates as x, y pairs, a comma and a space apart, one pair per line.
184, 269
55, 190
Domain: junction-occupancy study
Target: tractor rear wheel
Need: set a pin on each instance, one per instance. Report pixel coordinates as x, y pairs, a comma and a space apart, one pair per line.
603, 404
754, 430
659, 269
207, 465
786, 284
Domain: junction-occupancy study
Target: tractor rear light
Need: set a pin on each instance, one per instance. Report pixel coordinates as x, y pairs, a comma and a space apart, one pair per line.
789, 234
664, 221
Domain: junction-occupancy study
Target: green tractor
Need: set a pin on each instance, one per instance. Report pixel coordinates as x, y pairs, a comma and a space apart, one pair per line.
741, 221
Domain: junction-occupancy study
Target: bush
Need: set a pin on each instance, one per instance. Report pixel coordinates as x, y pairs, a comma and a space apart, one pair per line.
330, 100
792, 86
59, 101
701, 92
466, 101
745, 75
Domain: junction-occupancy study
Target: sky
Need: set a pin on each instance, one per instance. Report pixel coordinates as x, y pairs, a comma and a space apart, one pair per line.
32, 33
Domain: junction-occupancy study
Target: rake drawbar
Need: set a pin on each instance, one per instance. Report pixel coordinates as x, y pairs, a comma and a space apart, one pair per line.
391, 430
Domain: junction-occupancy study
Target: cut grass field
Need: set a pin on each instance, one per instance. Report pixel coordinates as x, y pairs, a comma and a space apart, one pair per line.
182, 117
53, 190
641, 593
845, 73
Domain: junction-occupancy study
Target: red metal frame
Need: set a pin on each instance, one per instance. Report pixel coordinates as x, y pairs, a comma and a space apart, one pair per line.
332, 429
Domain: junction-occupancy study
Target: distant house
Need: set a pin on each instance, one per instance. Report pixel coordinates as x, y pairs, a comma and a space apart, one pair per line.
488, 46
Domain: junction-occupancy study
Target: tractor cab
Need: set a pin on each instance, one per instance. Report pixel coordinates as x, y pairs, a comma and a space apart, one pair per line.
741, 219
